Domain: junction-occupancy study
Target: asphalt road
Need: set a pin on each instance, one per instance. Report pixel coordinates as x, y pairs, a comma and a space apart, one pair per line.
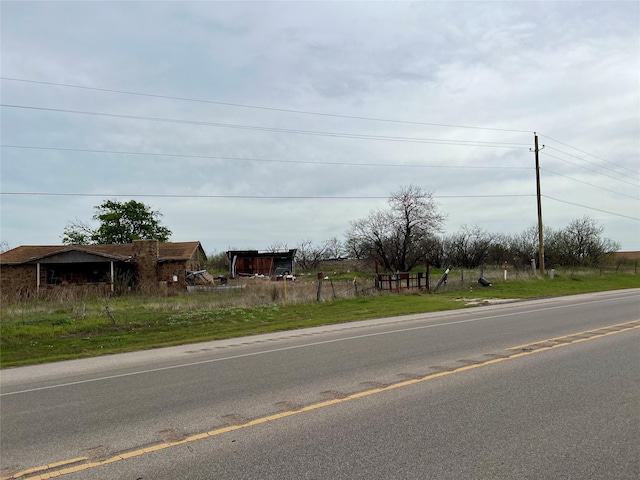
536, 389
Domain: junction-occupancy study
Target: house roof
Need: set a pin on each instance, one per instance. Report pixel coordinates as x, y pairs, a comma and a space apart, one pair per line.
122, 252
629, 255
178, 250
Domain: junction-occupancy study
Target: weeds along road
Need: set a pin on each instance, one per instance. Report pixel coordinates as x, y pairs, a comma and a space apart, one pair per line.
537, 389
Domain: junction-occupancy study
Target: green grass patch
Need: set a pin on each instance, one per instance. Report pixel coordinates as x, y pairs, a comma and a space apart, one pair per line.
40, 331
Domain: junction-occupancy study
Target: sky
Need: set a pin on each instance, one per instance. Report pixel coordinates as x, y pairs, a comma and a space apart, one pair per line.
250, 125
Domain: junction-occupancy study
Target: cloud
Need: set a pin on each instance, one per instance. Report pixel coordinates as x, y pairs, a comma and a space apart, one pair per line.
567, 70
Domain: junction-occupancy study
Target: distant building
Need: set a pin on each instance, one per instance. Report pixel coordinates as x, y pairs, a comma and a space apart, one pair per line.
269, 264
629, 255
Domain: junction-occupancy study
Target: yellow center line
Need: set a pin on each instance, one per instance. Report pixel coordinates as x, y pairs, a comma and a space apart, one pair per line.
46, 467
593, 331
622, 327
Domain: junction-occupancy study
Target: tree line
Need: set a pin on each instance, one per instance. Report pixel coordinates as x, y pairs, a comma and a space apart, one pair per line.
401, 237
579, 244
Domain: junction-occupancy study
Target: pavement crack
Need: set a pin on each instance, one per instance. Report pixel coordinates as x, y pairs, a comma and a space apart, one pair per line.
441, 368
96, 454
372, 385
467, 361
411, 376
333, 394
170, 435
234, 419
287, 406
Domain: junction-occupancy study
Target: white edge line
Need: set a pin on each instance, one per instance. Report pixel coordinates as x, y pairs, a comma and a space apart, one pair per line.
293, 347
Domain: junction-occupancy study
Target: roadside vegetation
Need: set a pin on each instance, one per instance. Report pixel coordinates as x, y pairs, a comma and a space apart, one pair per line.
37, 331
68, 324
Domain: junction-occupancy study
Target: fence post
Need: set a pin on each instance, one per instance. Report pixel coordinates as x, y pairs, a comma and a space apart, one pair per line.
428, 275
318, 294
443, 279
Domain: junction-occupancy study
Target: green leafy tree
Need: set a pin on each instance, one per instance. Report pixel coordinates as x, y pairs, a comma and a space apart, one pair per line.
119, 222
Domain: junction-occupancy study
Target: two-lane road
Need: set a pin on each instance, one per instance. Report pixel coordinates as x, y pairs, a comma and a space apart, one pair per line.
536, 389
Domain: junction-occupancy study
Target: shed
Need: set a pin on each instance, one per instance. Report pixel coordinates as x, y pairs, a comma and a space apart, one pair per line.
254, 262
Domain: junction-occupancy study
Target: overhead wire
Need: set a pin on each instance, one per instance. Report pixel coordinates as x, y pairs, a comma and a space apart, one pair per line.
251, 197
590, 184
635, 172
258, 107
314, 133
590, 208
589, 162
589, 169
467, 143
269, 160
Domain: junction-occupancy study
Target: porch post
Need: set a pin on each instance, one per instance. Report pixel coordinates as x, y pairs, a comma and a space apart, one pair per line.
38, 278
112, 279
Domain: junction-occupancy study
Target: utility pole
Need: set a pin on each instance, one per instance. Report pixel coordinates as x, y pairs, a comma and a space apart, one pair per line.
540, 235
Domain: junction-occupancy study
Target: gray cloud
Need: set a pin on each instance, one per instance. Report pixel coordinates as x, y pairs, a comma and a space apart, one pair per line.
569, 70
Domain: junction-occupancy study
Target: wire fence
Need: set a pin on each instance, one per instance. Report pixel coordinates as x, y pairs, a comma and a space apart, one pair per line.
247, 292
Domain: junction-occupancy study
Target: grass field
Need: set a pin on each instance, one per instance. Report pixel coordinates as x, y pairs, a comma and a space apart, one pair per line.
47, 331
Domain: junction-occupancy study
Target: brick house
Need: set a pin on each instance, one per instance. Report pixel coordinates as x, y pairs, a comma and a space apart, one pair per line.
142, 265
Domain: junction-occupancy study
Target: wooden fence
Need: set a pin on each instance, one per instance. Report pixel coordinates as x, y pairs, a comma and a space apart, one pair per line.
397, 281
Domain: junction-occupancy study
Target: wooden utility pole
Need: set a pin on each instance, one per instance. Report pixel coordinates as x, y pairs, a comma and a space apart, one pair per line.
540, 234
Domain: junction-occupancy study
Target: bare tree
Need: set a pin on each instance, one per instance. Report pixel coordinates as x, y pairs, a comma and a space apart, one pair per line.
468, 248
398, 237
217, 261
308, 255
523, 247
277, 247
333, 248
355, 249
582, 244
77, 232
578, 244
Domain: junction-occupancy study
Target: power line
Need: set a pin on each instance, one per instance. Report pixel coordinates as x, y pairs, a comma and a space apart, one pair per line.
257, 107
466, 143
591, 208
590, 170
591, 185
308, 162
587, 153
248, 197
592, 163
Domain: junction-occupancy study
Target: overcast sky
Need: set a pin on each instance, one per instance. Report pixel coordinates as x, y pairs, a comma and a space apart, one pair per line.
251, 124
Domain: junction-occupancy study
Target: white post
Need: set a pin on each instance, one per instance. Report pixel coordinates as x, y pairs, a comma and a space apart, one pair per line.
112, 279
533, 266
505, 270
